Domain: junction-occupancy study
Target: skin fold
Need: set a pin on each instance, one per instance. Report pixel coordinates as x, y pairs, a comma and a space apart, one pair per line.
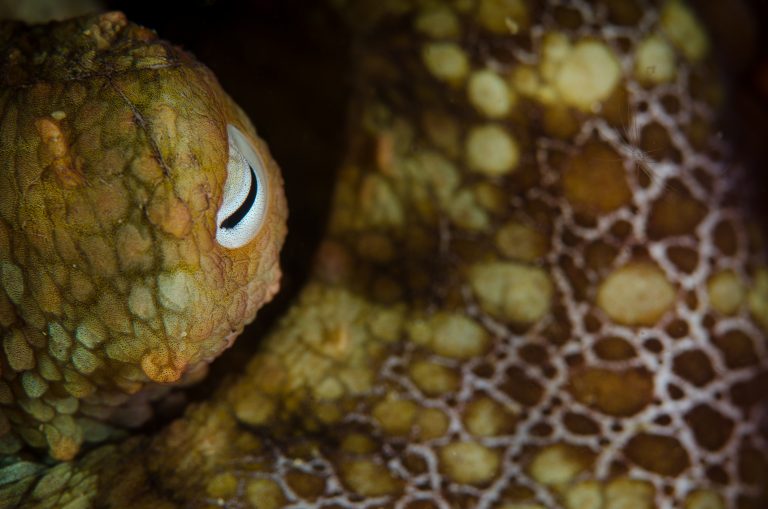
541, 287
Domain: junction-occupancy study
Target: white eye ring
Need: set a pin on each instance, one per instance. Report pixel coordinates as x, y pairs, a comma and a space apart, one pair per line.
244, 204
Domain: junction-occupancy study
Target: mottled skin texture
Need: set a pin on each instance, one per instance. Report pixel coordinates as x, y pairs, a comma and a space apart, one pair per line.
114, 155
539, 288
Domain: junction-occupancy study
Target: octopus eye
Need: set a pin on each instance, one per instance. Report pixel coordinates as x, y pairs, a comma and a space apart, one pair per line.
244, 205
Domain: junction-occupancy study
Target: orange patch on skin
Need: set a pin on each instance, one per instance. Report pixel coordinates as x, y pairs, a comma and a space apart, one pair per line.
158, 367
147, 169
65, 168
595, 181
65, 448
619, 393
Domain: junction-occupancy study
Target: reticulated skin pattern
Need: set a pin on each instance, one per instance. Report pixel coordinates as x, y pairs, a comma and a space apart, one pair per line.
113, 159
540, 289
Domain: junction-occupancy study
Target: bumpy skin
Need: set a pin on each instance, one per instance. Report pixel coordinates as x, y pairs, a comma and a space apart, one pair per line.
539, 289
114, 155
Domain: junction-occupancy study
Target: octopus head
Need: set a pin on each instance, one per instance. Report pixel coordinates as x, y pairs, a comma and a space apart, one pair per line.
141, 219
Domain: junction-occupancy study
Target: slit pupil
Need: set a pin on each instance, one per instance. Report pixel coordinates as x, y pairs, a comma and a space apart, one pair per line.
243, 209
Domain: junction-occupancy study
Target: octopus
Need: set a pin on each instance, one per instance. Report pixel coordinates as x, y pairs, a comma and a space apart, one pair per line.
541, 283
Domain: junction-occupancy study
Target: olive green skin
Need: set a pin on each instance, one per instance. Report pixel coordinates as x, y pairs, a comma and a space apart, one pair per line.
113, 160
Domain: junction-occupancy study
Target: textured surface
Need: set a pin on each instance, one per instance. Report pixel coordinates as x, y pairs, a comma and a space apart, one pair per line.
540, 288
113, 161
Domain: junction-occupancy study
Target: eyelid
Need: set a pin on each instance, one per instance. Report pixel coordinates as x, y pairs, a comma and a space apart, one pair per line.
243, 163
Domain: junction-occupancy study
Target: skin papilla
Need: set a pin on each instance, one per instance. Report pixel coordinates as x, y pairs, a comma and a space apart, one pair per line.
114, 158
540, 286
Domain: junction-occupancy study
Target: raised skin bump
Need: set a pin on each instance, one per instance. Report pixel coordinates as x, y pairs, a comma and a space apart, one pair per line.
363, 395
114, 158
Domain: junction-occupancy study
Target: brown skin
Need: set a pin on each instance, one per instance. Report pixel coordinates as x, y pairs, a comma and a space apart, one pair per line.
572, 319
114, 160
